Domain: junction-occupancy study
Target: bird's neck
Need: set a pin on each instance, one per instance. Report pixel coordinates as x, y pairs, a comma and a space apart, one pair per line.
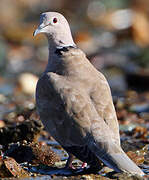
59, 41
53, 46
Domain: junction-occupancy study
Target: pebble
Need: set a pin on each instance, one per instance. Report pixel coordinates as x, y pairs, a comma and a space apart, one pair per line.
28, 83
2, 124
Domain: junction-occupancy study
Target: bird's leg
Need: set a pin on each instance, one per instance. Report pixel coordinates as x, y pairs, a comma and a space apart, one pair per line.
69, 162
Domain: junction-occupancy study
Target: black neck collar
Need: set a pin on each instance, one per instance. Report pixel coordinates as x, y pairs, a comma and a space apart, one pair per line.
63, 49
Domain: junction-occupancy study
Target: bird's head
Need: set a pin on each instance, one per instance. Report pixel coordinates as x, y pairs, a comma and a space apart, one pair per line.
56, 28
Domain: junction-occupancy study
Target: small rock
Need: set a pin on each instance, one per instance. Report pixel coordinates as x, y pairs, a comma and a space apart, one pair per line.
10, 168
27, 130
140, 108
14, 168
127, 176
34, 153
2, 98
137, 158
2, 124
28, 83
44, 154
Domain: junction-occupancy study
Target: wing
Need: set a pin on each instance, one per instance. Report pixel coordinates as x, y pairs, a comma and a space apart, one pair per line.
103, 103
62, 110
68, 112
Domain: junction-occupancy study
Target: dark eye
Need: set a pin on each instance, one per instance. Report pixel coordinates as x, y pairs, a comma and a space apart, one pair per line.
55, 20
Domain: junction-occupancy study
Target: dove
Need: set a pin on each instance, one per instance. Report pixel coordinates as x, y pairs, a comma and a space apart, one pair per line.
75, 104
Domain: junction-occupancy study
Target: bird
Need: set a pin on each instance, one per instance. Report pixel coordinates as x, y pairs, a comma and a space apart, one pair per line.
75, 104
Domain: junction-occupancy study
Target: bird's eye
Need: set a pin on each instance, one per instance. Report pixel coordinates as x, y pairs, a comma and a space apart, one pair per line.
55, 20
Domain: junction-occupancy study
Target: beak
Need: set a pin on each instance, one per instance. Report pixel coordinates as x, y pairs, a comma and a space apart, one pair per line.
37, 31
40, 29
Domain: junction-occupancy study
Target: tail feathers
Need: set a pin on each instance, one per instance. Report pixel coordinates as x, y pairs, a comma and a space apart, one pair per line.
121, 162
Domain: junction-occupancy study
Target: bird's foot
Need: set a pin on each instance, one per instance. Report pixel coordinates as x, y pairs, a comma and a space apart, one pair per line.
84, 165
70, 166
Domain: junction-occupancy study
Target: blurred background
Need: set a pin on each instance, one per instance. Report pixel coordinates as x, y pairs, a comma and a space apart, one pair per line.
113, 33
115, 36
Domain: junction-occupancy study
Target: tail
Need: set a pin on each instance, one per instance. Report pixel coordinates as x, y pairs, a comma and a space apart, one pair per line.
120, 162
